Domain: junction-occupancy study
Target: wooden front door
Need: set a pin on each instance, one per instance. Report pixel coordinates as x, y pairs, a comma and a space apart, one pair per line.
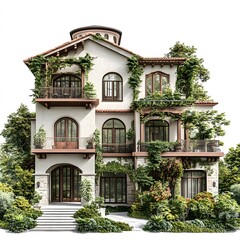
65, 183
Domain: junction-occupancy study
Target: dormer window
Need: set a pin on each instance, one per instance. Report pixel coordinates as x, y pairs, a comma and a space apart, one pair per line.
156, 82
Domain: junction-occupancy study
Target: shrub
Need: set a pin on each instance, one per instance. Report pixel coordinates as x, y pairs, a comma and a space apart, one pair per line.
86, 225
6, 200
102, 225
5, 188
235, 190
88, 211
202, 208
18, 222
178, 207
226, 208
157, 224
188, 227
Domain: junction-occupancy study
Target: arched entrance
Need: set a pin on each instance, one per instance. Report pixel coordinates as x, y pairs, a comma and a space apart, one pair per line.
65, 183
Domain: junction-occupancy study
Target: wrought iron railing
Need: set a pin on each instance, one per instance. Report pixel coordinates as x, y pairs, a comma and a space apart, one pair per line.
68, 143
117, 147
189, 146
60, 92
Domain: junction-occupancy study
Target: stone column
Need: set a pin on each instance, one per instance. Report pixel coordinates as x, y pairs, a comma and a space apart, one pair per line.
42, 187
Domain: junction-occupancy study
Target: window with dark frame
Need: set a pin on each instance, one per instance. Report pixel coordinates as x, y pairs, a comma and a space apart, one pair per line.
156, 130
67, 85
156, 82
193, 182
112, 87
113, 187
66, 133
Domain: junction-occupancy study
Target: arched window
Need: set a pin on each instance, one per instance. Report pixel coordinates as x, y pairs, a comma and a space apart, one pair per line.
156, 82
67, 85
113, 187
66, 133
113, 135
156, 130
193, 182
112, 87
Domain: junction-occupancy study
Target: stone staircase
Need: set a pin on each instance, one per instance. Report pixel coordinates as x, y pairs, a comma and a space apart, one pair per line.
57, 217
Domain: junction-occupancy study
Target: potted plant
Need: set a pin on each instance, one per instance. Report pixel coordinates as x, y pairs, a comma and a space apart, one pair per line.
39, 138
89, 91
90, 143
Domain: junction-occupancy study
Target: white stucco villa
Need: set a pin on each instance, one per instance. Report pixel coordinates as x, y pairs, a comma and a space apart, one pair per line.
70, 117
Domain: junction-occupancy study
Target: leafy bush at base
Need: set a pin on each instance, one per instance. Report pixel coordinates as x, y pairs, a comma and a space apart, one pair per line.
235, 190
102, 225
6, 200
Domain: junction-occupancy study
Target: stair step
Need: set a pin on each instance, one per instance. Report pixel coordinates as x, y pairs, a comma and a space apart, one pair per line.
57, 218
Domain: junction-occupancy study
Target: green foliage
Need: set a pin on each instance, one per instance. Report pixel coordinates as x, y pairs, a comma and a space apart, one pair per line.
235, 190
189, 227
179, 207
142, 178
167, 98
6, 200
102, 225
130, 133
157, 224
115, 167
191, 72
17, 134
118, 208
40, 137
36, 198
5, 187
88, 220
19, 223
227, 176
89, 90
86, 225
134, 80
21, 216
226, 208
43, 67
204, 124
86, 190
98, 148
232, 158
88, 211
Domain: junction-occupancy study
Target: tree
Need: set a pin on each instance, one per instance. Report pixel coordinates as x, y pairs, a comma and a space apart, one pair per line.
191, 73
204, 124
16, 161
17, 134
229, 169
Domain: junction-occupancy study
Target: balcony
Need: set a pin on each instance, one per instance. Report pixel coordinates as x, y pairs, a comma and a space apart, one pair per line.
63, 96
190, 148
117, 149
69, 145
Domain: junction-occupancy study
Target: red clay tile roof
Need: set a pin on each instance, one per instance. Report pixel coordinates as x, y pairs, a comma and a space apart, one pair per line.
142, 60
114, 110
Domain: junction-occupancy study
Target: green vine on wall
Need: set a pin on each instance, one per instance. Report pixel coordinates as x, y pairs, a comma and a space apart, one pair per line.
134, 80
43, 67
98, 148
170, 169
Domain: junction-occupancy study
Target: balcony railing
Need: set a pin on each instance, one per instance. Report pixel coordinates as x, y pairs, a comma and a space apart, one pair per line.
117, 148
200, 146
190, 146
60, 92
68, 143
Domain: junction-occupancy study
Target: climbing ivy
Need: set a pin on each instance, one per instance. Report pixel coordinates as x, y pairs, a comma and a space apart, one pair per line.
134, 80
43, 67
